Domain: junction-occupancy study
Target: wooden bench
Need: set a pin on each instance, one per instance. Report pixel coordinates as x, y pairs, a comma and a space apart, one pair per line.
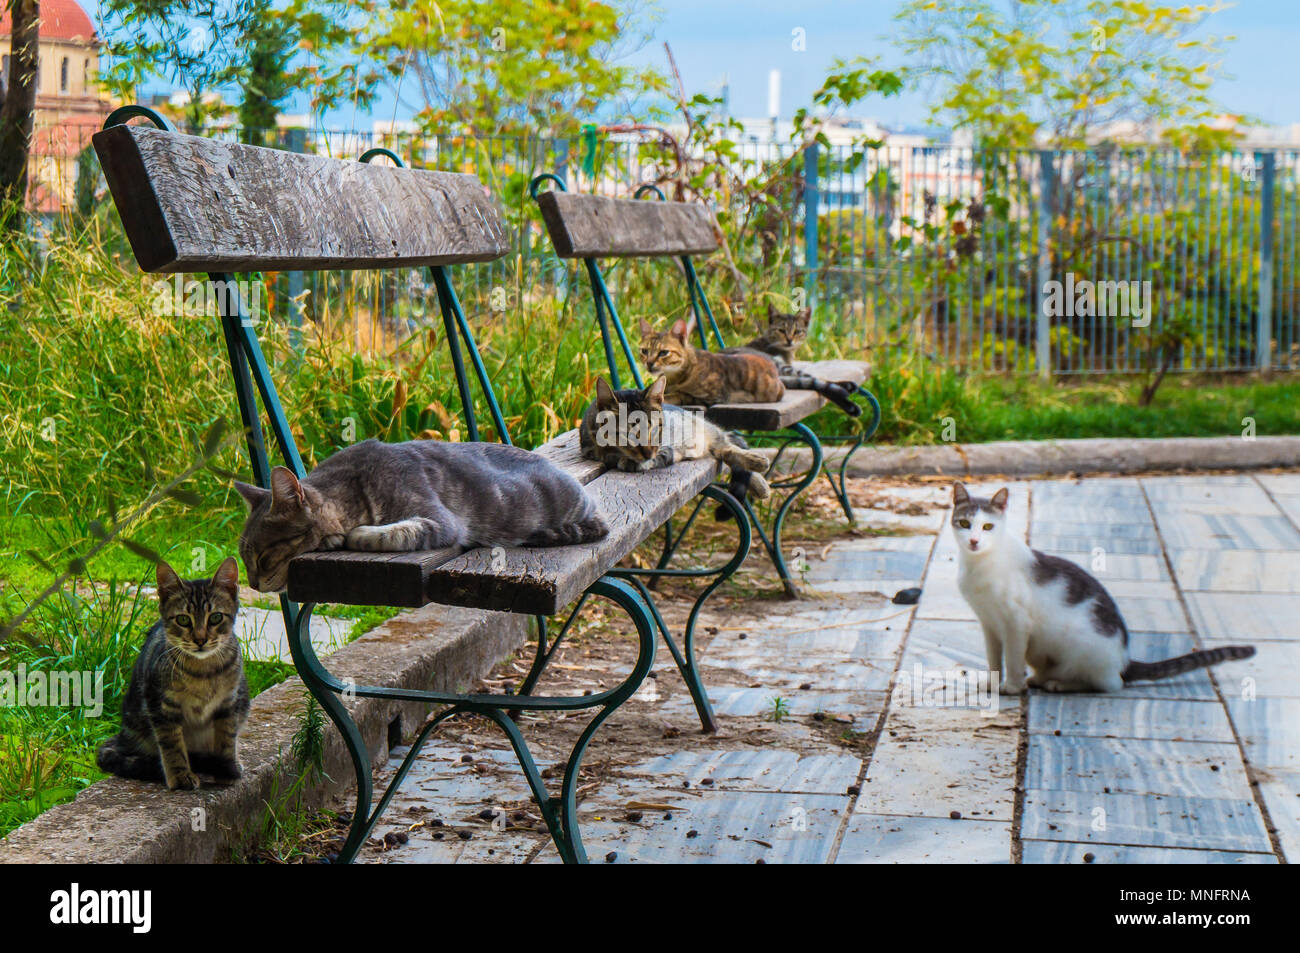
190, 204
592, 227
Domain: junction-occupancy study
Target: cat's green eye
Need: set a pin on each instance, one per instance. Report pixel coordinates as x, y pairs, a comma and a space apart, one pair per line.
663, 354
216, 618
988, 526
183, 621
964, 524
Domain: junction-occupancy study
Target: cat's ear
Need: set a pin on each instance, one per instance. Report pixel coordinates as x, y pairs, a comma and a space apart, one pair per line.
286, 491
804, 316
959, 494
227, 575
655, 392
771, 311
646, 328
680, 330
252, 494
168, 581
605, 398
999, 500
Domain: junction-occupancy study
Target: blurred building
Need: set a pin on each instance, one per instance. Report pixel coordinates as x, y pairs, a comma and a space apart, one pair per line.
69, 105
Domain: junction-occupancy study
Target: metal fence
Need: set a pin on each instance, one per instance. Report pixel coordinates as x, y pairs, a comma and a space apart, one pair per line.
1105, 261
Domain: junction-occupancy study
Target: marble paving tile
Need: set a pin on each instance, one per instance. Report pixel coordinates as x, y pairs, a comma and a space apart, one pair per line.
1189, 530
1144, 821
1062, 852
1281, 792
1290, 507
1117, 566
1090, 543
1102, 532
931, 762
1121, 716
750, 769
1245, 617
865, 706
1152, 615
883, 839
1227, 504
944, 643
1274, 672
728, 828
1237, 570
837, 642
1204, 489
824, 676
1280, 484
1098, 515
1135, 766
1269, 730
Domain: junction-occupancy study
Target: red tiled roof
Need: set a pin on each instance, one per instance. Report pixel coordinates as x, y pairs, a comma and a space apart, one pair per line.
60, 20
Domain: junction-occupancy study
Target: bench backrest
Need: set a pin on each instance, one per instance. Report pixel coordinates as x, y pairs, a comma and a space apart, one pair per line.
590, 227
593, 226
190, 204
200, 205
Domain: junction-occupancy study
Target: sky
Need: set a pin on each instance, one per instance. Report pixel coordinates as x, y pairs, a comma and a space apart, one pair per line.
743, 40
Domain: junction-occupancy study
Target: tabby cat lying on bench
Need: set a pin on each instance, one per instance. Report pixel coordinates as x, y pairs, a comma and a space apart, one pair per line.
381, 497
779, 343
634, 430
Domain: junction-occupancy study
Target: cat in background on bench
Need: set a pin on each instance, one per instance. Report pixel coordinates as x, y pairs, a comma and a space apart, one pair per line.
1048, 612
400, 497
635, 431
696, 377
188, 697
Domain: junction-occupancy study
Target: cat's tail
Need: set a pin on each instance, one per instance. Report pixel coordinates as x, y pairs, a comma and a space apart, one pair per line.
116, 756
837, 394
1167, 668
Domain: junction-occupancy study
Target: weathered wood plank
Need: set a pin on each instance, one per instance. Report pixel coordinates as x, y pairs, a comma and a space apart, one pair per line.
593, 226
546, 580
566, 453
836, 370
790, 409
365, 579
193, 205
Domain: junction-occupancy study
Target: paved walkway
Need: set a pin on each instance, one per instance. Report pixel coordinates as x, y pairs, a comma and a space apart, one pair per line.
1200, 768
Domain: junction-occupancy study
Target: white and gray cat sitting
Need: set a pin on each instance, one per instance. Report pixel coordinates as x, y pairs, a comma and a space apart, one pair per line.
635, 431
1048, 612
401, 497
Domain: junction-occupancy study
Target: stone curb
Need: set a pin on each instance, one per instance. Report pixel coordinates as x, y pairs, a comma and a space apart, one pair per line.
1056, 457
117, 821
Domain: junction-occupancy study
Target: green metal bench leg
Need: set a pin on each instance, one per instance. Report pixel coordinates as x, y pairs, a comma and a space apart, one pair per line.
325, 688
685, 656
773, 544
560, 813
841, 489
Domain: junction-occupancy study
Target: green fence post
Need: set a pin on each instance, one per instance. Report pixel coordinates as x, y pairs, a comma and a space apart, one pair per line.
1264, 162
810, 203
1046, 189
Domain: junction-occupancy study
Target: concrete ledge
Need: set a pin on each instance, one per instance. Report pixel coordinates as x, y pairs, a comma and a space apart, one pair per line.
116, 821
1056, 457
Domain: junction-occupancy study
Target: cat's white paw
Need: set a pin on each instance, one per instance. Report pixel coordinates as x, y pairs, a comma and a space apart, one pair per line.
367, 539
1012, 688
332, 542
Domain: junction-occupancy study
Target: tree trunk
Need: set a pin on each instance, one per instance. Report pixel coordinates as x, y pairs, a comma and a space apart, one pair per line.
16, 112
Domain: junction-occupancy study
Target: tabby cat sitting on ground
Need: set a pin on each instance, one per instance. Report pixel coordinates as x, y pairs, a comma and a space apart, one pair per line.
188, 698
400, 497
697, 377
779, 343
634, 430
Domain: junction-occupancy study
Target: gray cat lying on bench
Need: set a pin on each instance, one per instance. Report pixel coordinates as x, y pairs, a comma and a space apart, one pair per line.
380, 497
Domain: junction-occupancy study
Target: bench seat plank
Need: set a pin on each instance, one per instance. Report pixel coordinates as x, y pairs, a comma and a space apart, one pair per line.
191, 204
542, 580
794, 406
566, 453
594, 226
